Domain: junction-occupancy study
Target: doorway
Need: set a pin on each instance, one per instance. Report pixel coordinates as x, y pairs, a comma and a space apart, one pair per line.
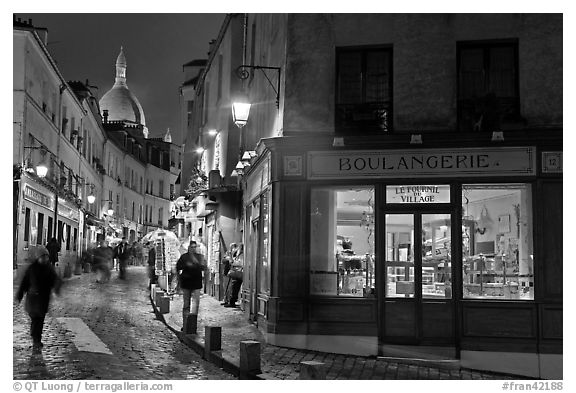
418, 306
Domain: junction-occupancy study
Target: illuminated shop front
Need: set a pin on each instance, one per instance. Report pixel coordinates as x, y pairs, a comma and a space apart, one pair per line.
375, 250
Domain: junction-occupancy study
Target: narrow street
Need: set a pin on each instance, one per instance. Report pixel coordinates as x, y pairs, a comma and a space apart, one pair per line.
105, 331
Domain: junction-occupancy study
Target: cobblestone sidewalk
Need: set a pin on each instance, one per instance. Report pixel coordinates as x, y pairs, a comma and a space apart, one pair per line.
284, 363
120, 315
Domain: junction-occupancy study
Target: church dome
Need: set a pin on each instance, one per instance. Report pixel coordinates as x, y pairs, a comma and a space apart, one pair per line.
120, 102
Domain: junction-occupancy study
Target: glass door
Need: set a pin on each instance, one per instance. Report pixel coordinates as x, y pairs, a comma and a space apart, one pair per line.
418, 275
436, 256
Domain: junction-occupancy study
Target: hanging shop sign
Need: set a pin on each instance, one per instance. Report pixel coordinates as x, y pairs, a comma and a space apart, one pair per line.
417, 193
67, 212
497, 161
33, 195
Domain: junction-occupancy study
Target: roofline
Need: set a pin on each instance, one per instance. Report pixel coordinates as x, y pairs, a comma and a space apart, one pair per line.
219, 39
53, 64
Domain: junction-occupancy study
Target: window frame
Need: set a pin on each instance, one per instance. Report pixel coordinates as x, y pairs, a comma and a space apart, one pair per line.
486, 46
364, 50
374, 257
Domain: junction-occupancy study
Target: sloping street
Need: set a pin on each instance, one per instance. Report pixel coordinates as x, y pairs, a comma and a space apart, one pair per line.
105, 331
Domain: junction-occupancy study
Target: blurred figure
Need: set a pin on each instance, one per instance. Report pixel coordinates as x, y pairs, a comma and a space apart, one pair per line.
152, 264
102, 258
38, 282
225, 267
236, 274
189, 268
53, 248
122, 253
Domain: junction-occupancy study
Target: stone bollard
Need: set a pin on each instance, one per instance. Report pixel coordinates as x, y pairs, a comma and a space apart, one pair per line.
190, 324
158, 297
164, 304
212, 340
249, 358
67, 270
312, 370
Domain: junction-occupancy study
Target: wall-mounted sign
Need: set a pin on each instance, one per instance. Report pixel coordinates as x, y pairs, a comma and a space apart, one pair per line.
68, 212
418, 194
292, 165
551, 162
324, 283
36, 196
496, 161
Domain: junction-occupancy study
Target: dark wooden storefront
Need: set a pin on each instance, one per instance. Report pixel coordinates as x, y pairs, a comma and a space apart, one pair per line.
533, 326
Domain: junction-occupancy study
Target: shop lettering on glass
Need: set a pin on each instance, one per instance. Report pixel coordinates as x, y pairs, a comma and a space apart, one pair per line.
418, 194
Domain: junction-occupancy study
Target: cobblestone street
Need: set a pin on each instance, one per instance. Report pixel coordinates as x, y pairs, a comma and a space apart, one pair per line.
120, 315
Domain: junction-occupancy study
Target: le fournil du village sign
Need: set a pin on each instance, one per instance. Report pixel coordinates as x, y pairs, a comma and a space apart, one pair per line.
502, 161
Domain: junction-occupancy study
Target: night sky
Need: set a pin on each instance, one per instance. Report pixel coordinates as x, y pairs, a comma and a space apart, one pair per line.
86, 46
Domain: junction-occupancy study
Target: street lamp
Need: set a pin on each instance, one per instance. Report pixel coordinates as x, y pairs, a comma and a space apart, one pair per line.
241, 105
41, 169
91, 198
241, 110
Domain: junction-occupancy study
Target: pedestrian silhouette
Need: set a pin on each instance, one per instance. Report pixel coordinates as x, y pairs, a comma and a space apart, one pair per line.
37, 284
53, 247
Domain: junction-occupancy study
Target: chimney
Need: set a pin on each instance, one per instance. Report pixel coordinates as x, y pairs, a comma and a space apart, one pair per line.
211, 46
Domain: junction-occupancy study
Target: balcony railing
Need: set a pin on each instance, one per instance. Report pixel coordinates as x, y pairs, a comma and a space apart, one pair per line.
373, 117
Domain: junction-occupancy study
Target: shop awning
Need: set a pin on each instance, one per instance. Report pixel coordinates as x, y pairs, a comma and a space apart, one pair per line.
95, 221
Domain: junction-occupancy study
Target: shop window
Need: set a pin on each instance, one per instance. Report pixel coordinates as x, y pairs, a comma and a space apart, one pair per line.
265, 245
40, 235
497, 245
60, 231
342, 241
27, 225
50, 228
364, 89
487, 86
68, 237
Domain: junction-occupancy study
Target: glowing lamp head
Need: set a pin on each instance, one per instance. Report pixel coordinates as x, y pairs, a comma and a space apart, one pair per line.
41, 170
241, 110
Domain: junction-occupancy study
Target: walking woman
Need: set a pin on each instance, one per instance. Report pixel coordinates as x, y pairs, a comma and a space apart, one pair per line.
38, 282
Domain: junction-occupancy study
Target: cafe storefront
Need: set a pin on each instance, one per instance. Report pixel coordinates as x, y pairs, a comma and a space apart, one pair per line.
446, 250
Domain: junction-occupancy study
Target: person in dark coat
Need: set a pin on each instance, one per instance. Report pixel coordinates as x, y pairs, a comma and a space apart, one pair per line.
102, 258
122, 253
53, 248
190, 267
226, 265
236, 274
152, 265
38, 282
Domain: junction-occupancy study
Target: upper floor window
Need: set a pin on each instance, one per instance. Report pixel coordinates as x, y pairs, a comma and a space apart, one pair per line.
487, 85
363, 89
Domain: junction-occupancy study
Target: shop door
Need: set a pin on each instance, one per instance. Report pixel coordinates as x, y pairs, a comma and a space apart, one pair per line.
418, 306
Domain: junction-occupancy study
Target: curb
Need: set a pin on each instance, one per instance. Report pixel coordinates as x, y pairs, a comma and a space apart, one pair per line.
221, 360
218, 358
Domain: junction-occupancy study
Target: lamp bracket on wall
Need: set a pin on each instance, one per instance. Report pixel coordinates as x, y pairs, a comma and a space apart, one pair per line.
243, 72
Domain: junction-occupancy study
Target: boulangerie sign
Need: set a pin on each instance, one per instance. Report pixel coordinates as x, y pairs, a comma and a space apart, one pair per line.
496, 161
